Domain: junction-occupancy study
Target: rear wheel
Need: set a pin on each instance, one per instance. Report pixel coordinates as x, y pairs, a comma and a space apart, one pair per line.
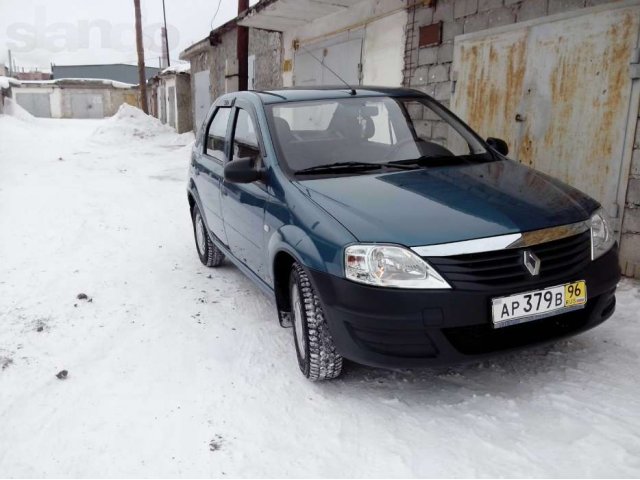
316, 352
209, 254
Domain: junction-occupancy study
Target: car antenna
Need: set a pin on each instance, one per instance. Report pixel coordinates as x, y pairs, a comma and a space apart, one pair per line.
352, 91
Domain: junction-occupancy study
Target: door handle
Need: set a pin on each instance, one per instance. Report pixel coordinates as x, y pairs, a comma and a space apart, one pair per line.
520, 118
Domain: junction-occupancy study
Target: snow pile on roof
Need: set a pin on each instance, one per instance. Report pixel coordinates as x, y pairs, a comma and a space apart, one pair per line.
87, 81
6, 82
177, 68
132, 124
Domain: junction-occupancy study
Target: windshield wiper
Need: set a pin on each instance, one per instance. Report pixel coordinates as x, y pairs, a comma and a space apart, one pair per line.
350, 166
440, 160
422, 160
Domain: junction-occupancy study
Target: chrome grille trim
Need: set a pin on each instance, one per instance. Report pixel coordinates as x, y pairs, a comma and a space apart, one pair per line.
503, 242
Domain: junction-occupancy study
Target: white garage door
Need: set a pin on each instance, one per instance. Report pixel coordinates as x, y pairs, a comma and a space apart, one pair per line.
343, 55
37, 104
86, 105
202, 97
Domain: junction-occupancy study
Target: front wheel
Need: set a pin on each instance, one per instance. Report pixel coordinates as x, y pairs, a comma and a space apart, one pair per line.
317, 356
209, 254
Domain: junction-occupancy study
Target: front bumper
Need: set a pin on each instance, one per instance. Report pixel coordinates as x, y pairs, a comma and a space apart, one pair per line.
389, 327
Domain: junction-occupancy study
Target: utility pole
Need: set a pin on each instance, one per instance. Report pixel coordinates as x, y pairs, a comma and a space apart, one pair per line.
166, 34
140, 46
10, 64
243, 48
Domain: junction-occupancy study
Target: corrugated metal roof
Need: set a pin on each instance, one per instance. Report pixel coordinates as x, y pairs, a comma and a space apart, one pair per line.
119, 72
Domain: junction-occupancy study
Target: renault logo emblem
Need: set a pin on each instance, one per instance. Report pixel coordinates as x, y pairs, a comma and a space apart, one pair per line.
531, 262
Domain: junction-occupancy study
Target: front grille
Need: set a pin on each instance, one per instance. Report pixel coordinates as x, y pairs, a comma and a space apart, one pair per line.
505, 268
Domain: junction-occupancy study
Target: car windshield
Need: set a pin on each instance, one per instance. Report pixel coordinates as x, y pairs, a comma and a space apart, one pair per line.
368, 130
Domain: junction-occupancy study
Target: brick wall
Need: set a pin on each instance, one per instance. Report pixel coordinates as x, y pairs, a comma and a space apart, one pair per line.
630, 241
429, 69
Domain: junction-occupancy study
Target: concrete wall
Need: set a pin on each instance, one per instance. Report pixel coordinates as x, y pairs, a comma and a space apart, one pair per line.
221, 62
429, 69
630, 239
267, 47
184, 121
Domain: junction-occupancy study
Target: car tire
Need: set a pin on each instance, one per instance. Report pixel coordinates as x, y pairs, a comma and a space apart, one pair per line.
316, 352
210, 255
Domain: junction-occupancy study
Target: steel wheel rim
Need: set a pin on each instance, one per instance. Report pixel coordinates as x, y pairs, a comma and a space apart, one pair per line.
200, 235
296, 304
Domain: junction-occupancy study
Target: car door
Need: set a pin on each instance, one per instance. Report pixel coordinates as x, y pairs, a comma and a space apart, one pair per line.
209, 168
243, 204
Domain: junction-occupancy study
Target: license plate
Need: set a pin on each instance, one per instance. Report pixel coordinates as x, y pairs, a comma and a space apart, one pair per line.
524, 307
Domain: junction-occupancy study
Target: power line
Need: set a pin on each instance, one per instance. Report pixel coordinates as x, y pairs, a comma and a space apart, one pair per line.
215, 14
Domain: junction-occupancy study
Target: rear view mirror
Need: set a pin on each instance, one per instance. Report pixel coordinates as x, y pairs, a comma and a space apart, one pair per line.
242, 170
498, 145
369, 111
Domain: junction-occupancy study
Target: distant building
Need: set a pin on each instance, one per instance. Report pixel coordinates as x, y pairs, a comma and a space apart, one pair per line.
119, 72
32, 75
169, 97
74, 98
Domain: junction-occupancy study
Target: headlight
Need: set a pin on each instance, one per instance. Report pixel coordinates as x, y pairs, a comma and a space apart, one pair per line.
602, 238
390, 266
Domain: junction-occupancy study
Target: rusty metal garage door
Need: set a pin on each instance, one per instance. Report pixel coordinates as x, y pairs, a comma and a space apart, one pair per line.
559, 91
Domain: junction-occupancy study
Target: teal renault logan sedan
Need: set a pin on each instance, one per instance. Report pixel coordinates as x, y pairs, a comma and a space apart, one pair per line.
389, 233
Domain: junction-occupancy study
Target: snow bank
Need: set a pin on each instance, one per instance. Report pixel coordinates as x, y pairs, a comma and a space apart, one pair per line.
6, 82
132, 124
177, 68
16, 124
12, 109
87, 81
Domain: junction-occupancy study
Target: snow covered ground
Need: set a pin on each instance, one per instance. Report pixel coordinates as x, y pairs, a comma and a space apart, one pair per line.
178, 370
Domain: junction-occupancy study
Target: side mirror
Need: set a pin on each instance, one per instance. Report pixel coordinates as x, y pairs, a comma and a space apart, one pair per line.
498, 145
242, 170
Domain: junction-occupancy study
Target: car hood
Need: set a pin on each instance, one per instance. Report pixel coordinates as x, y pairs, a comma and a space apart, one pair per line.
448, 204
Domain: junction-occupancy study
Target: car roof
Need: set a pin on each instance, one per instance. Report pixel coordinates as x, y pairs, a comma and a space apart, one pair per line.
300, 94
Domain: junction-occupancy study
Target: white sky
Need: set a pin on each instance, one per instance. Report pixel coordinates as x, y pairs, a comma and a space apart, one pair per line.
70, 32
